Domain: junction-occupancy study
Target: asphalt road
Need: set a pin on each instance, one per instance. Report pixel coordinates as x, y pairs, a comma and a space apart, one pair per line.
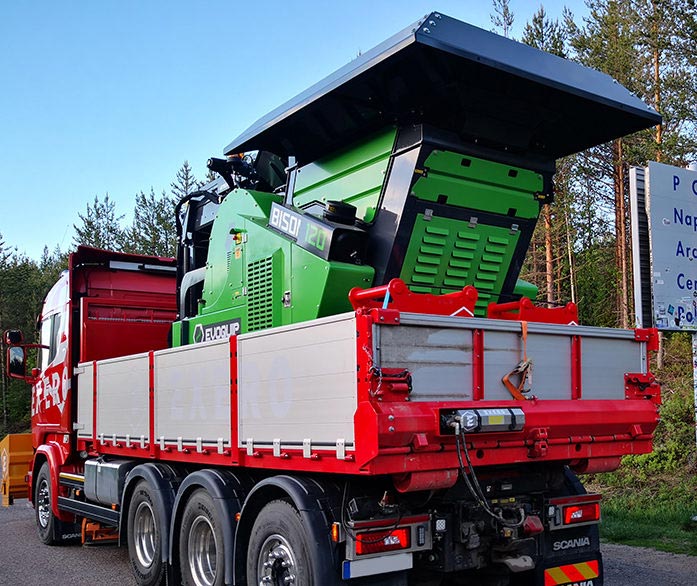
24, 561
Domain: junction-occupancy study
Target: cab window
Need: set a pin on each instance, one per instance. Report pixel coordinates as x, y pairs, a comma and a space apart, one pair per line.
50, 338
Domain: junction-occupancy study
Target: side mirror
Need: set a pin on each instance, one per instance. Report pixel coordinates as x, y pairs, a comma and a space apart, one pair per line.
13, 337
16, 362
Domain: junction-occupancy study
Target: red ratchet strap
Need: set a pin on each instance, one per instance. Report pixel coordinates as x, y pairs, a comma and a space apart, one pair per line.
523, 370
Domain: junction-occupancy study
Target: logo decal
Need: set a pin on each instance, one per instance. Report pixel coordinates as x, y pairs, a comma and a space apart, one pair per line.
51, 390
571, 543
217, 331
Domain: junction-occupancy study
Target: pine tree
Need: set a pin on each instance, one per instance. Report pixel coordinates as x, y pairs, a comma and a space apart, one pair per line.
100, 227
646, 46
551, 236
607, 42
545, 34
667, 34
22, 288
185, 182
502, 17
153, 230
4, 252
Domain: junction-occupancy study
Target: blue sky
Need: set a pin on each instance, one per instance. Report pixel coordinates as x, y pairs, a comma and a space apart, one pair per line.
112, 96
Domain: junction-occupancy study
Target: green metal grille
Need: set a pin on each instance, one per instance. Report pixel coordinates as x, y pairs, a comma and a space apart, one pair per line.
260, 294
445, 255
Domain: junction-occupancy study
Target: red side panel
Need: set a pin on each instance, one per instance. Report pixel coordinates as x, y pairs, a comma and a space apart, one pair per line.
118, 327
126, 306
110, 304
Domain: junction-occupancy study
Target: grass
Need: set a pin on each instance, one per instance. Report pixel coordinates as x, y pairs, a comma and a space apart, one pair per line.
651, 499
650, 502
667, 528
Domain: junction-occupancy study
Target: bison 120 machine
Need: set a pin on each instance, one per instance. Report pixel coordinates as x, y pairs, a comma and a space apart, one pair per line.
333, 382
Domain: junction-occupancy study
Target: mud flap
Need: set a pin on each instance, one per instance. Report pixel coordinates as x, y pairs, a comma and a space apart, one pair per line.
583, 571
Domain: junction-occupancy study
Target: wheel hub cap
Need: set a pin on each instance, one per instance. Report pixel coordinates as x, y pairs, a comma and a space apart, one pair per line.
144, 533
203, 550
276, 564
43, 503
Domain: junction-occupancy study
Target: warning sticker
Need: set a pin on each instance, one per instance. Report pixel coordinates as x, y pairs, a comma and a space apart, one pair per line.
5, 464
581, 574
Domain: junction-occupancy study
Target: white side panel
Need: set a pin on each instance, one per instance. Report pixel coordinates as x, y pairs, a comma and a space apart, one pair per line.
439, 359
438, 352
551, 360
604, 363
192, 393
299, 383
122, 397
85, 401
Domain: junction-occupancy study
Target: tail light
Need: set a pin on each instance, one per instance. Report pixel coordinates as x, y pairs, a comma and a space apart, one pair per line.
371, 542
574, 514
373, 538
576, 510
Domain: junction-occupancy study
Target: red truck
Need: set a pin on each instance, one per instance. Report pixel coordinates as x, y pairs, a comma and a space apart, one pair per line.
339, 379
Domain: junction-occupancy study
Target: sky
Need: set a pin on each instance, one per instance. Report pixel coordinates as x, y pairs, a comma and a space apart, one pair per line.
113, 96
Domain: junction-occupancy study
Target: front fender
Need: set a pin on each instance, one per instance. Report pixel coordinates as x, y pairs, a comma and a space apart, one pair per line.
53, 453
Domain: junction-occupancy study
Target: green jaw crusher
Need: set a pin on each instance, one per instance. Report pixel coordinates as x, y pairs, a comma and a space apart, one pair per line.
427, 158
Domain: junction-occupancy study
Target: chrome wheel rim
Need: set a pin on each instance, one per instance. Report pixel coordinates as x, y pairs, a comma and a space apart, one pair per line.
276, 564
202, 550
43, 503
144, 534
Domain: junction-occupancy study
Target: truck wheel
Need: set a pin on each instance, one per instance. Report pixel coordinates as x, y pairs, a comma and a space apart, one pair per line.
201, 542
279, 552
145, 537
47, 525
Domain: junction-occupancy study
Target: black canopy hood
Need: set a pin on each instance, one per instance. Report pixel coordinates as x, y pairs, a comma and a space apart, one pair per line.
460, 78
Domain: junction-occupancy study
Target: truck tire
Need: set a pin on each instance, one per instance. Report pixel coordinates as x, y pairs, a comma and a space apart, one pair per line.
279, 552
48, 526
145, 536
201, 542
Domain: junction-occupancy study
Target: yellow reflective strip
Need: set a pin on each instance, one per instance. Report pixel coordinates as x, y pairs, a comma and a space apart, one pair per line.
586, 570
558, 575
495, 419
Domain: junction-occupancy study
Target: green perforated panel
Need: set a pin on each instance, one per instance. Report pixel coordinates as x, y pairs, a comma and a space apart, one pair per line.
260, 294
477, 184
445, 255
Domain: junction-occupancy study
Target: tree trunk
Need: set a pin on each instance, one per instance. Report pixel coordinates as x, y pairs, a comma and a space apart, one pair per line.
621, 235
4, 392
569, 252
657, 78
549, 265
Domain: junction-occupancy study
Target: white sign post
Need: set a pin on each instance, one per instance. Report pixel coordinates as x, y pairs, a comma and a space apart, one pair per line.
672, 213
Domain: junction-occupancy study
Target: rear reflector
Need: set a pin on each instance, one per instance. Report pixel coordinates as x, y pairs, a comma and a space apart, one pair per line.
371, 542
581, 513
532, 525
581, 573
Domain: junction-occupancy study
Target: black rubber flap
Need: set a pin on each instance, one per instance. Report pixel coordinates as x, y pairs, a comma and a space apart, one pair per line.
460, 78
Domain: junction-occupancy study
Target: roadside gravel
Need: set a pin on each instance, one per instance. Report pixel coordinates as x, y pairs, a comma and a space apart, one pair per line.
640, 566
24, 561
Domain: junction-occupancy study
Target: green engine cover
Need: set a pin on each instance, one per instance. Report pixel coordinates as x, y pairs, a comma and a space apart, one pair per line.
256, 277
445, 253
